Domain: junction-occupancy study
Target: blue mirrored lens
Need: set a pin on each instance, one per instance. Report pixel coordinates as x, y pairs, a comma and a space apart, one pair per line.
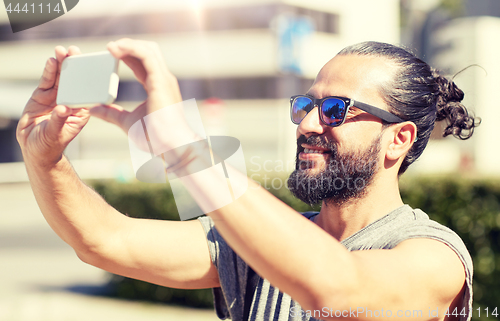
333, 111
300, 107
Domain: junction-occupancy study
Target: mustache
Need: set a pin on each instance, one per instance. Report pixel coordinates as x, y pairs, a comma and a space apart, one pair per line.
316, 141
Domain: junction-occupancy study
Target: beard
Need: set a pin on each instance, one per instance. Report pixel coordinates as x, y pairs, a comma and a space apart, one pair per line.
346, 176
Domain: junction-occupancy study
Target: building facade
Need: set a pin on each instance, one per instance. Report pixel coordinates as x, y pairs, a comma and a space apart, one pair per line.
251, 55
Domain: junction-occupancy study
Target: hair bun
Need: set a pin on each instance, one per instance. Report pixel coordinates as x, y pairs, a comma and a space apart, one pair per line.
448, 105
447, 89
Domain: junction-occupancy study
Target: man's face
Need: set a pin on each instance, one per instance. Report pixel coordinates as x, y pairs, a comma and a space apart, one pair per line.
338, 164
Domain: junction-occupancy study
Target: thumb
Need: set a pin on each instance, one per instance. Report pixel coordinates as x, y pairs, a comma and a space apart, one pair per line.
57, 120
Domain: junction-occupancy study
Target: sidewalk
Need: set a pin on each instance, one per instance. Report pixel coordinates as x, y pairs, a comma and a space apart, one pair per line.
43, 280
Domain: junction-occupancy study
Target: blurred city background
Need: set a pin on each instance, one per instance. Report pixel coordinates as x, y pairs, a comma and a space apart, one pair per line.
241, 60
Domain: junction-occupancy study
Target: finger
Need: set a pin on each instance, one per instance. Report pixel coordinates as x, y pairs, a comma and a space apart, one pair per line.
133, 63
148, 53
74, 50
113, 114
49, 74
61, 53
57, 120
41, 100
137, 67
161, 85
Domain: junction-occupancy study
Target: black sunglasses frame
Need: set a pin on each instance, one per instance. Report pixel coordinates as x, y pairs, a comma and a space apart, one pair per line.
375, 111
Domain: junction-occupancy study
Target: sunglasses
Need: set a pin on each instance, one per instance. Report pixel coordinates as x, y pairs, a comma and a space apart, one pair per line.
333, 110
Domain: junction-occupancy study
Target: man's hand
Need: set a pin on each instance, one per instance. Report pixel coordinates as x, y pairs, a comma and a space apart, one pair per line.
146, 61
45, 129
168, 127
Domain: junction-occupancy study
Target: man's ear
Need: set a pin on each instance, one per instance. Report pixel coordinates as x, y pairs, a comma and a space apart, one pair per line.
402, 138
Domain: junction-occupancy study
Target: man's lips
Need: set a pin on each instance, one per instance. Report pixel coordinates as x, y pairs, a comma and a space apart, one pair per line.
312, 152
314, 149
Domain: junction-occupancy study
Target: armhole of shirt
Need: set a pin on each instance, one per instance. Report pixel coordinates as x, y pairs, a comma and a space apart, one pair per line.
220, 305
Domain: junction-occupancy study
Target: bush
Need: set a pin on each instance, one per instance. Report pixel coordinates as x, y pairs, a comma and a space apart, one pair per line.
469, 207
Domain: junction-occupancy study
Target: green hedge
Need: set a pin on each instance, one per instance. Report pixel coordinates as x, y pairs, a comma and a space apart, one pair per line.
469, 207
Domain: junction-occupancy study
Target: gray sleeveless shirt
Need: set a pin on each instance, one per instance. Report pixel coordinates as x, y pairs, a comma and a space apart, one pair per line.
269, 303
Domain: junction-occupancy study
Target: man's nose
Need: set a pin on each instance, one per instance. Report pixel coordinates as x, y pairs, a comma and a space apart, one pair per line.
311, 124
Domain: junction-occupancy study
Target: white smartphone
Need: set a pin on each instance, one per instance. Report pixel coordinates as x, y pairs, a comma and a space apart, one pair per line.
88, 80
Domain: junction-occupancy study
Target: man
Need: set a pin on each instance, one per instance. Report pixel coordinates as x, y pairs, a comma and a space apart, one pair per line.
392, 262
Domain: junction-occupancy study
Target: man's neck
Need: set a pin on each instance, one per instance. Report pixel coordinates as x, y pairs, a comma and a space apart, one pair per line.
343, 220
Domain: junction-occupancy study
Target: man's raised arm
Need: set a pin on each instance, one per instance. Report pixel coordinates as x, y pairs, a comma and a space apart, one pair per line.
172, 254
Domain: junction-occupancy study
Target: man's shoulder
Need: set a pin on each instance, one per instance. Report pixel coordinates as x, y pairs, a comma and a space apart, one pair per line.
397, 226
